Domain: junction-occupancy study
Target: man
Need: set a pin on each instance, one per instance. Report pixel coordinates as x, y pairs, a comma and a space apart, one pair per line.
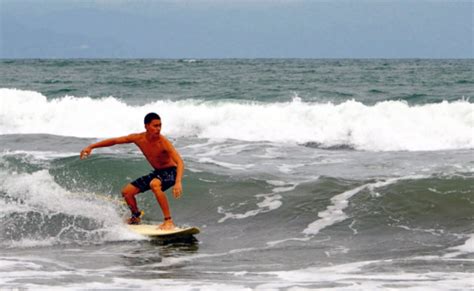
162, 156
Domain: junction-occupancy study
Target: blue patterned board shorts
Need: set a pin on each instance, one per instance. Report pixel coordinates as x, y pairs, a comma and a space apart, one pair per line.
166, 176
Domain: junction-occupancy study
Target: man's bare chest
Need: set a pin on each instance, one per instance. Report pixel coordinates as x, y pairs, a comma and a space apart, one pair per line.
154, 150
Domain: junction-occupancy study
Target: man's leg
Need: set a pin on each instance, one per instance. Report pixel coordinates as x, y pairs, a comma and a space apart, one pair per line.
128, 193
155, 186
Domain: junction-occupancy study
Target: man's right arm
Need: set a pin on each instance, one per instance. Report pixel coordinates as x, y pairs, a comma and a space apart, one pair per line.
107, 143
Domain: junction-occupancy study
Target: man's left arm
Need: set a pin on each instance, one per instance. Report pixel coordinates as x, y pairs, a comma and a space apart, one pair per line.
176, 157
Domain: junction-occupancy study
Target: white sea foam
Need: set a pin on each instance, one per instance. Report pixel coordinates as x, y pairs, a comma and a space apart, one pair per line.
269, 202
288, 168
385, 126
351, 276
38, 192
225, 164
37, 156
362, 275
466, 248
334, 213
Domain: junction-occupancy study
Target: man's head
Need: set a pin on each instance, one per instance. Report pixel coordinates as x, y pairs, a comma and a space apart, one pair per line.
153, 124
150, 117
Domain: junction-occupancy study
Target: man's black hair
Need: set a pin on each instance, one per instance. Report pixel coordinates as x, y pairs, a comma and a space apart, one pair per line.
151, 116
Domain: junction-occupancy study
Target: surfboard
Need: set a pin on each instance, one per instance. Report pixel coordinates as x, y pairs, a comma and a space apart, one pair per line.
152, 231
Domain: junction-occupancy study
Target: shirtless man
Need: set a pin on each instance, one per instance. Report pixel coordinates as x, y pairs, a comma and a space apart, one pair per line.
162, 156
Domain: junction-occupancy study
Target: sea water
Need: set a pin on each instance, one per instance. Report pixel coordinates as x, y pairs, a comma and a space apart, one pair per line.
301, 174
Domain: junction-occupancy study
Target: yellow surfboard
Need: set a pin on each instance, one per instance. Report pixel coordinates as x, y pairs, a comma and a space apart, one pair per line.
152, 231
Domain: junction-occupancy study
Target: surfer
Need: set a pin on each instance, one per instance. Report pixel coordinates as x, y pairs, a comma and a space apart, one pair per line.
162, 156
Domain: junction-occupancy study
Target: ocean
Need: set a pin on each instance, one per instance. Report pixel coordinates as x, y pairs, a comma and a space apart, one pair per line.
301, 174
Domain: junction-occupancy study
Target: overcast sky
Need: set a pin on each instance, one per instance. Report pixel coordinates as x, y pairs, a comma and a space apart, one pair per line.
236, 29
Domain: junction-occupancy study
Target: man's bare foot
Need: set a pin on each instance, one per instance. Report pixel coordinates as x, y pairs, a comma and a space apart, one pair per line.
167, 225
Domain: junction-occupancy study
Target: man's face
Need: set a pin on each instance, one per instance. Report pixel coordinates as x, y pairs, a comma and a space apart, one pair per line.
154, 127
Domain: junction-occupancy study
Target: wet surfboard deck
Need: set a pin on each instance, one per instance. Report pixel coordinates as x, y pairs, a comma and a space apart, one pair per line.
152, 231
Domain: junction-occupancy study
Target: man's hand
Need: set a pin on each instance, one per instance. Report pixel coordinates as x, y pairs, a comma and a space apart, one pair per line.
177, 190
86, 152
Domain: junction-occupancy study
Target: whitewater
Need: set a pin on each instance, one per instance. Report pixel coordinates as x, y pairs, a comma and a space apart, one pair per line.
385, 126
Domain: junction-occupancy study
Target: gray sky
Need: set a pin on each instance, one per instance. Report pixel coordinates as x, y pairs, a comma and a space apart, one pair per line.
235, 29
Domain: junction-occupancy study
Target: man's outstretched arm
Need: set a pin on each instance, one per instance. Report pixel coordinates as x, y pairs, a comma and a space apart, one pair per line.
107, 143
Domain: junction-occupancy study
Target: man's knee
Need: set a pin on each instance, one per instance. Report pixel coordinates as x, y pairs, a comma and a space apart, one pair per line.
129, 190
155, 185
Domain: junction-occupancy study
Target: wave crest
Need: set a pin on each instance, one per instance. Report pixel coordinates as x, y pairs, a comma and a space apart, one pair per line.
385, 126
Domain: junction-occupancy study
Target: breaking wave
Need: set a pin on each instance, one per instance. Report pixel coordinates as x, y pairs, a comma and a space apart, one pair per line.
385, 126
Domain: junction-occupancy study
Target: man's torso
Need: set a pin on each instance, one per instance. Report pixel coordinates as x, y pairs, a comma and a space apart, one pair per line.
157, 152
